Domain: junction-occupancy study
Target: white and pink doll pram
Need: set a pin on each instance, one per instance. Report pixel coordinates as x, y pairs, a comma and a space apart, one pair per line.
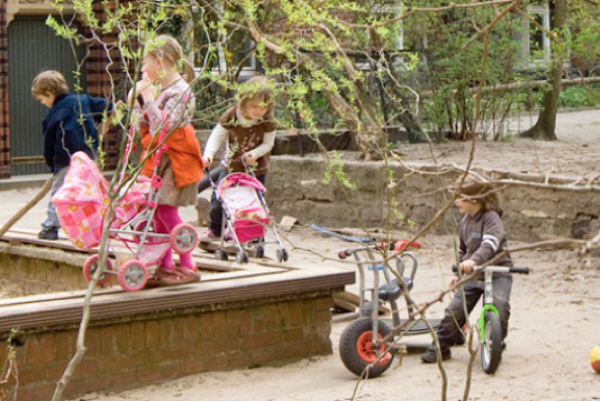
245, 217
83, 201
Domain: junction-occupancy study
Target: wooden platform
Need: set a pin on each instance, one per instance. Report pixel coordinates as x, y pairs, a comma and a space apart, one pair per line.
234, 282
202, 256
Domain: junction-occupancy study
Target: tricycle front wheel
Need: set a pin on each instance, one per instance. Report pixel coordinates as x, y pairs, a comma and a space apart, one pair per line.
358, 351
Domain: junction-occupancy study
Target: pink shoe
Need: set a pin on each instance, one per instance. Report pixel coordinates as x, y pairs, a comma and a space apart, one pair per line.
179, 275
208, 236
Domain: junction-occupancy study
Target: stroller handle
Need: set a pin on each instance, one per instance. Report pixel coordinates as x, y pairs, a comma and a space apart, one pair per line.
207, 173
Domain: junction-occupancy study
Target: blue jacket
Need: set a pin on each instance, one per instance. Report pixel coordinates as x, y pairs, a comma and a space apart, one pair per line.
67, 126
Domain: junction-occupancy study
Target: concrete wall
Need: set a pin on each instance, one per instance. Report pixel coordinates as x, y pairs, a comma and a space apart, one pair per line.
157, 347
30, 270
295, 188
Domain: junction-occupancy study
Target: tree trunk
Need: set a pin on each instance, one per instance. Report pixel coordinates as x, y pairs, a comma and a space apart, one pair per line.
412, 125
545, 127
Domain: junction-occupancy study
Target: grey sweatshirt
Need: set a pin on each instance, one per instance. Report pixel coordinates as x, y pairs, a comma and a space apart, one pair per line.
482, 237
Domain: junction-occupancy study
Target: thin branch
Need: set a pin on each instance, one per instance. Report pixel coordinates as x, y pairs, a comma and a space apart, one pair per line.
489, 27
412, 11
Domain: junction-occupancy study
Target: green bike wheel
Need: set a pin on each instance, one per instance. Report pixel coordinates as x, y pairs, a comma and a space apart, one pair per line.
491, 345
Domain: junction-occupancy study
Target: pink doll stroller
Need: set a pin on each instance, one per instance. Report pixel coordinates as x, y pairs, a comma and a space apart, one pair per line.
82, 202
245, 215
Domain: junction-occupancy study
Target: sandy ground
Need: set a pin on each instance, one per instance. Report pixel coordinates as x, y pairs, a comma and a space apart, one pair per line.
575, 153
552, 327
552, 332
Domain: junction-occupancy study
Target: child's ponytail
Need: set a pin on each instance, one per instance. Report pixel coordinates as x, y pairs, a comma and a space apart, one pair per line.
188, 71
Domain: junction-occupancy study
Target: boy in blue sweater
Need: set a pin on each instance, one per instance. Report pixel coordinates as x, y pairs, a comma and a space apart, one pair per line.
68, 128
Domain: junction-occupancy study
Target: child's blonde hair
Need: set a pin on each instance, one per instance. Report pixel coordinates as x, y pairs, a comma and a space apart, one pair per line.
167, 48
259, 89
478, 189
49, 82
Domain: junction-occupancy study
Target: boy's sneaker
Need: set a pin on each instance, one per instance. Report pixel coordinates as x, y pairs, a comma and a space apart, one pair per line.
430, 356
48, 233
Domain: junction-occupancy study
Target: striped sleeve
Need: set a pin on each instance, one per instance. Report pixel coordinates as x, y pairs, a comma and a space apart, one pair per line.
493, 235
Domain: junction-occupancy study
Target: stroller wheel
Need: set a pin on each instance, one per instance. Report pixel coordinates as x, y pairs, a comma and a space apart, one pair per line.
282, 255
259, 252
184, 238
221, 255
133, 275
241, 257
90, 266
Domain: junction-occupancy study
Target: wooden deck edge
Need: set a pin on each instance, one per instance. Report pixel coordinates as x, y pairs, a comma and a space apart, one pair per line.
50, 314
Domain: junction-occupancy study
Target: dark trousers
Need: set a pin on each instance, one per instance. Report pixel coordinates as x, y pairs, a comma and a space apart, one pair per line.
213, 175
450, 328
216, 215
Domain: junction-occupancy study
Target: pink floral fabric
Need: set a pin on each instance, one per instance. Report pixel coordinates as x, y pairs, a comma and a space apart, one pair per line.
82, 201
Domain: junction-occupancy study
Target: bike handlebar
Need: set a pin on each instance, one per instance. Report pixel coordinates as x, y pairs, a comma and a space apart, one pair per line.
501, 269
392, 246
520, 270
344, 254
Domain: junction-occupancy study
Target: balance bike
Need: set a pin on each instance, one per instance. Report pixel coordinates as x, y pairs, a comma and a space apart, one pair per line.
488, 324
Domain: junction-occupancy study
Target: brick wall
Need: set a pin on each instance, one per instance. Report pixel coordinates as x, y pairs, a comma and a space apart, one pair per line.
4, 127
105, 78
154, 348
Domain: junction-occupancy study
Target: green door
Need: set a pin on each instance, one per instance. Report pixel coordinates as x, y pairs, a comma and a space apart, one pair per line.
32, 48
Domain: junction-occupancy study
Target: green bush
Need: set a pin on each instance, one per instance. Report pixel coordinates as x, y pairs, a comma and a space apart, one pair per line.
574, 97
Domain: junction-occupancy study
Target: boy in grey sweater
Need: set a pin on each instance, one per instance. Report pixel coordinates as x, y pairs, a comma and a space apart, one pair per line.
482, 237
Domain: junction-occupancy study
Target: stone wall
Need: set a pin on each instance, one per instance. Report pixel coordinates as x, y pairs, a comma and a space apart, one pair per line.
157, 347
30, 270
296, 188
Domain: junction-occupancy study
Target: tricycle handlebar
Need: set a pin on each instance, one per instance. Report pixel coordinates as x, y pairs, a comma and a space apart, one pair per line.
499, 269
392, 246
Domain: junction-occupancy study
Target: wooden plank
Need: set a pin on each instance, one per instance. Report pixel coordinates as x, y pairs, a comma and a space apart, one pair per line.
287, 222
354, 299
29, 236
121, 305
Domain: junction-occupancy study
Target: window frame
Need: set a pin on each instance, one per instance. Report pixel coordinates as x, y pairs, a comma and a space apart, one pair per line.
396, 10
545, 12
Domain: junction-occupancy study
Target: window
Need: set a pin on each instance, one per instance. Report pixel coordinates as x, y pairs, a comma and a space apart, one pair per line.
240, 53
395, 43
218, 54
539, 43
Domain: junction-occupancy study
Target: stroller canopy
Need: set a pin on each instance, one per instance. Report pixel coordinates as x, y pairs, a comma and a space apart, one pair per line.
239, 179
82, 201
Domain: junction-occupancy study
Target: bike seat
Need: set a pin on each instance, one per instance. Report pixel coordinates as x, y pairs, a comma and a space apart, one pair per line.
390, 291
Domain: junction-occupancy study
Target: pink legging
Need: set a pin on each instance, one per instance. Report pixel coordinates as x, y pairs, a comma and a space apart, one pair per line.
165, 219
